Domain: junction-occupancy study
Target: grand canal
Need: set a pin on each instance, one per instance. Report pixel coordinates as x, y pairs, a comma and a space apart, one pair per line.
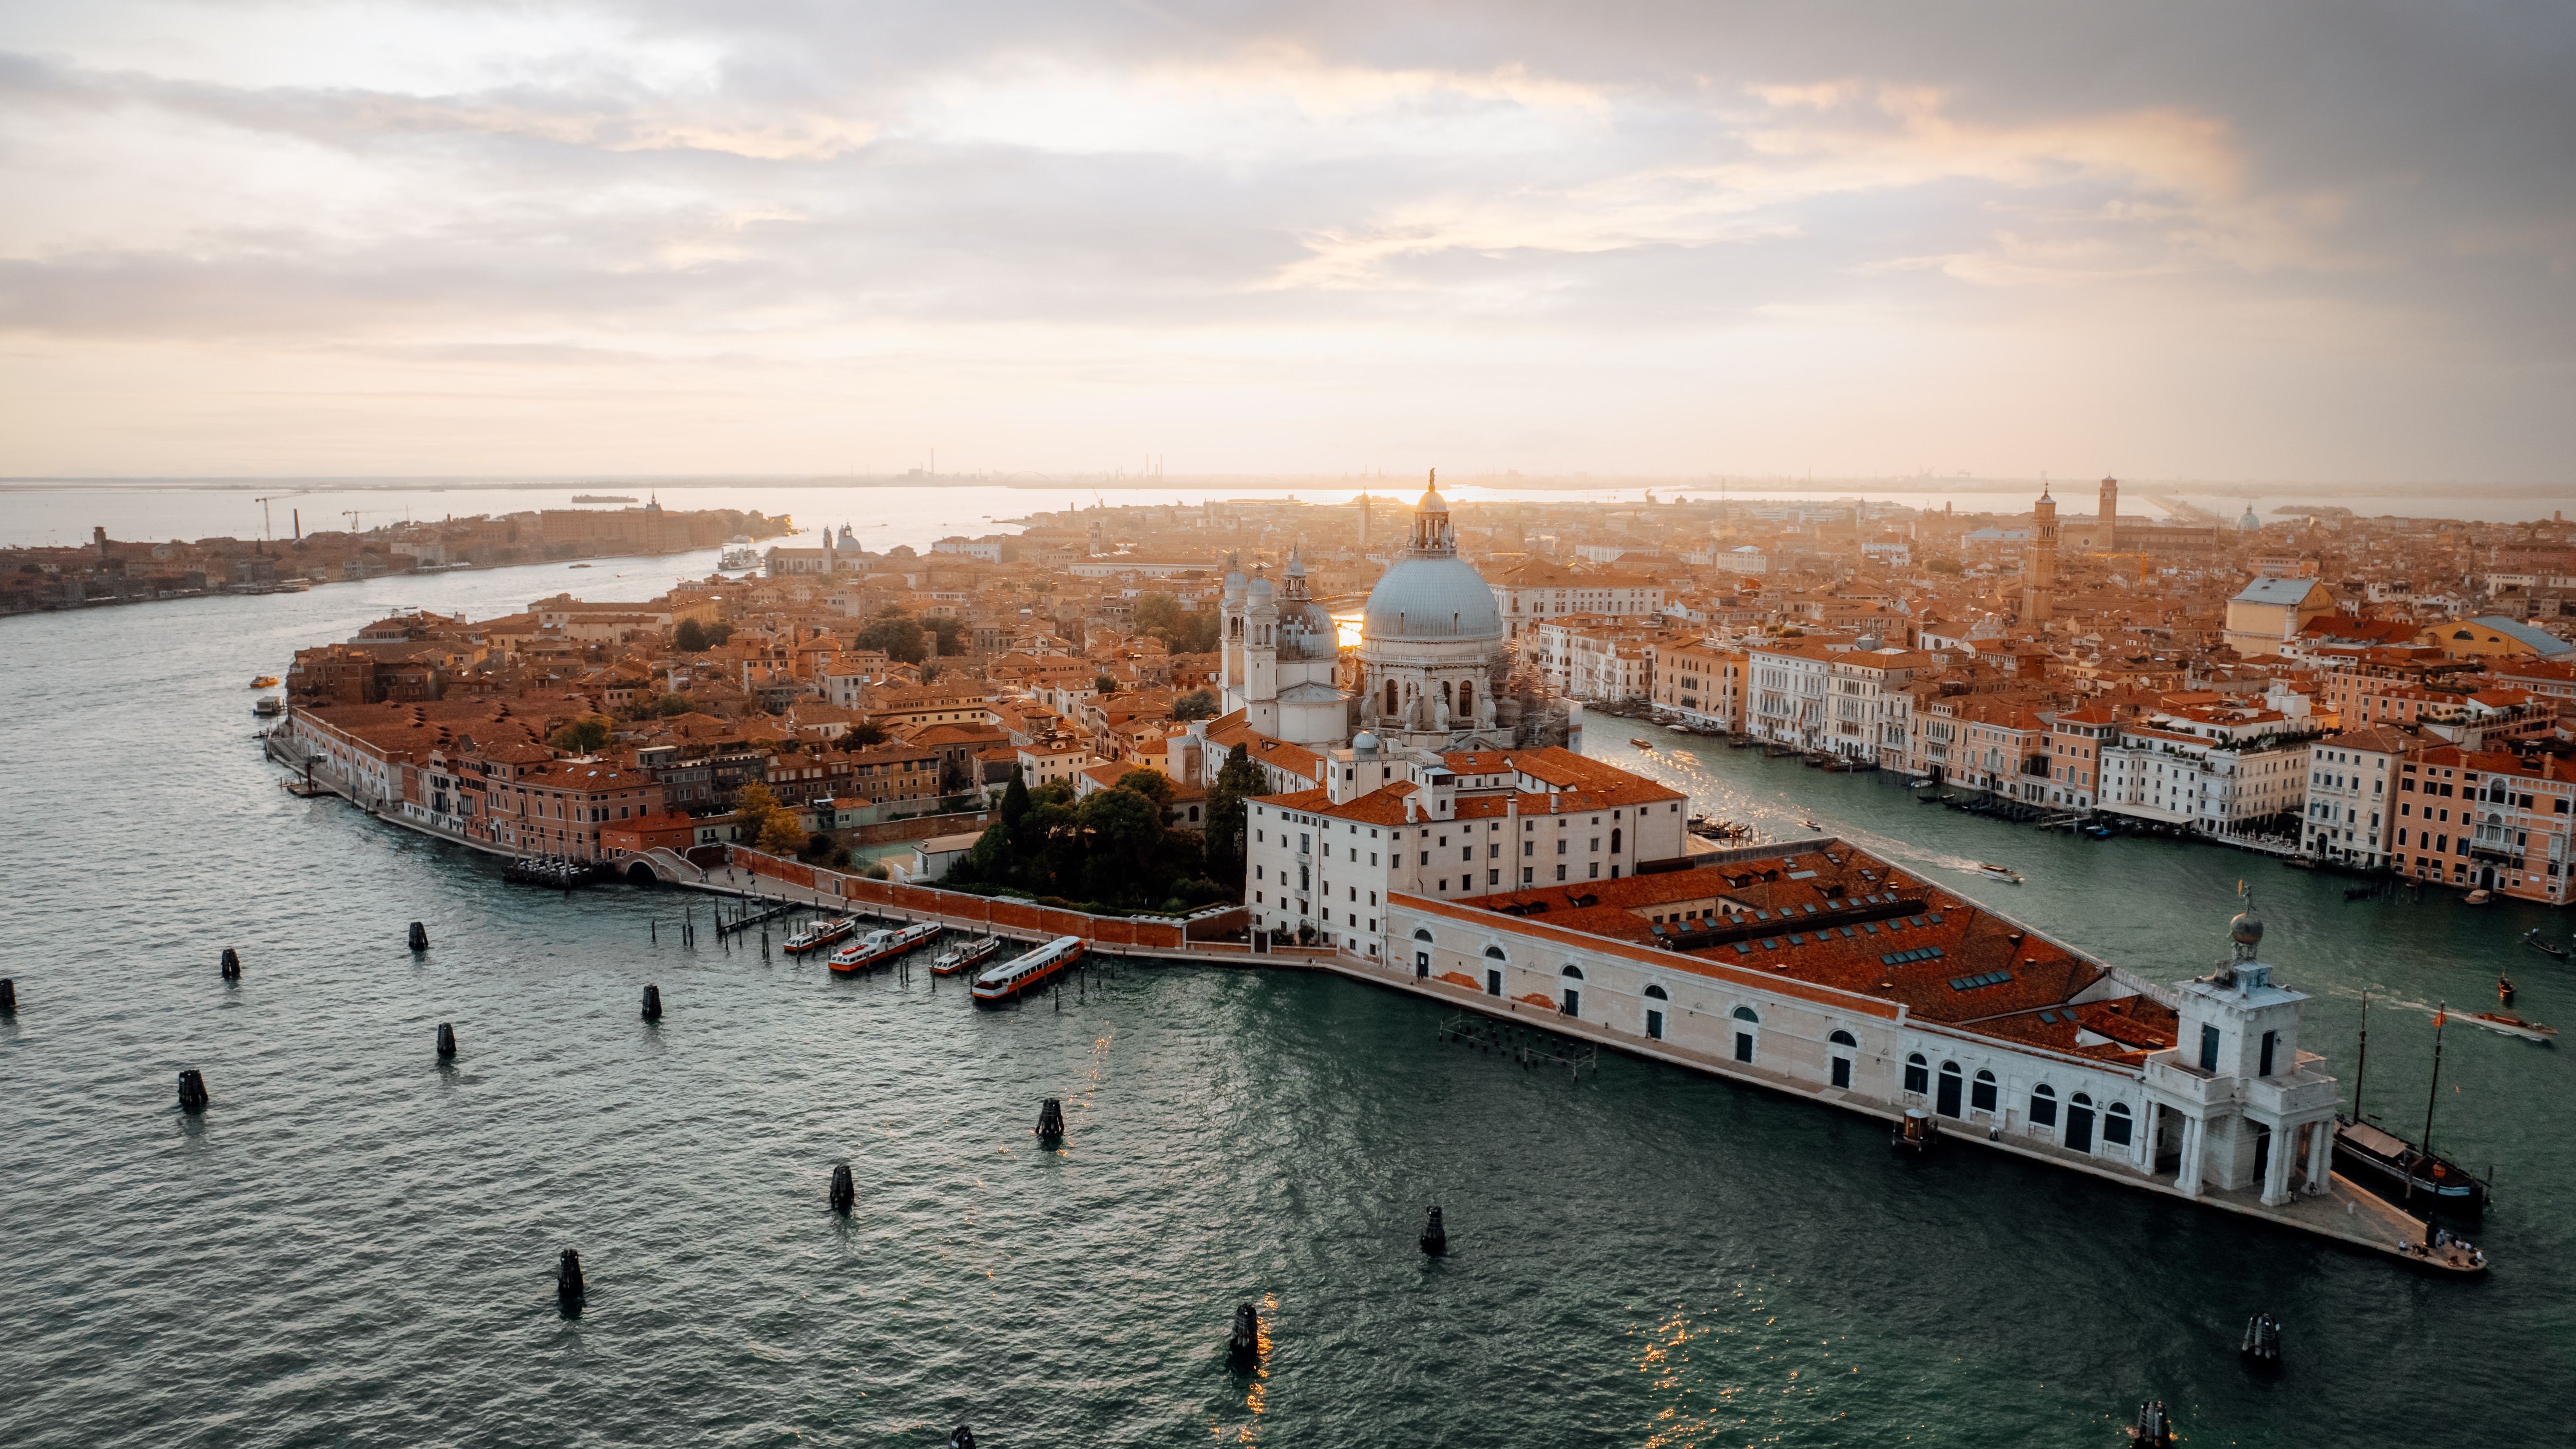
354, 1245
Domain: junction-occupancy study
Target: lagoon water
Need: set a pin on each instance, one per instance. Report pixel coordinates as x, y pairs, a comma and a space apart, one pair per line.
354, 1244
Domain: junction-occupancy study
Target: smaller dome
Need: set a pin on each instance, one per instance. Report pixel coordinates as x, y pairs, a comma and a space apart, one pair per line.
1260, 586
1364, 743
1431, 502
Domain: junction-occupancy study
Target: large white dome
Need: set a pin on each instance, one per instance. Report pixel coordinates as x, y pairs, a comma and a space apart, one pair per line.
1431, 599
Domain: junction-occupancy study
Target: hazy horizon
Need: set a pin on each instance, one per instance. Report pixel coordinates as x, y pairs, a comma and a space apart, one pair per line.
672, 238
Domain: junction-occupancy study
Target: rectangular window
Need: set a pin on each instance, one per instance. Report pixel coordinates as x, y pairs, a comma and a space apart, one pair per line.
2115, 1129
1744, 1046
1655, 1025
1842, 1071
2270, 1040
1493, 983
2209, 1049
2043, 1111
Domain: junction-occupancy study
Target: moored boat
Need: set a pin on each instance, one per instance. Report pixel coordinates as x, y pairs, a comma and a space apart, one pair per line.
1020, 973
2509, 1025
820, 934
2387, 1165
878, 947
2478, 897
965, 957
1997, 872
270, 706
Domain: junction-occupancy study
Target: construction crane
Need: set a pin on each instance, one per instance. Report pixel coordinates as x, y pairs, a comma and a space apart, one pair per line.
265, 528
351, 514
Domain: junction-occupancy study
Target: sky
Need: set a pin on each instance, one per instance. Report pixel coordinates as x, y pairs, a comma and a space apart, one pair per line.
2285, 241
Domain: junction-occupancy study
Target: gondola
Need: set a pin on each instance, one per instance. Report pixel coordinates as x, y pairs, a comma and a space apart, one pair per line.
2532, 939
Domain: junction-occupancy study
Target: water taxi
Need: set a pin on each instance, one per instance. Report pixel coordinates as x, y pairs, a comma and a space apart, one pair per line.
1997, 872
264, 681
820, 934
965, 957
1641, 744
878, 947
2509, 1025
269, 706
1023, 972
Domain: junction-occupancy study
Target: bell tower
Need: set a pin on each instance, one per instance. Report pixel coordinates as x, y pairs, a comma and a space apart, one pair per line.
2039, 583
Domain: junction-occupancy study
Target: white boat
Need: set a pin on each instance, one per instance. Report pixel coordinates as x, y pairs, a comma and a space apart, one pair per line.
820, 934
877, 947
269, 705
2478, 897
1023, 972
965, 957
1997, 872
2509, 1025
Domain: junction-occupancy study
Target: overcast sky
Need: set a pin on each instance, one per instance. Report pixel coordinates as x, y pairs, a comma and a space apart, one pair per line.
2296, 241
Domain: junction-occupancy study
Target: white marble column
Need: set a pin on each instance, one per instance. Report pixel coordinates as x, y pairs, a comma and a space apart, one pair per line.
2321, 1153
2187, 1181
2276, 1167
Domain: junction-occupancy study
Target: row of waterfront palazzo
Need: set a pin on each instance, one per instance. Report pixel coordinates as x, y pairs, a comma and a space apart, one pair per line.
1813, 1037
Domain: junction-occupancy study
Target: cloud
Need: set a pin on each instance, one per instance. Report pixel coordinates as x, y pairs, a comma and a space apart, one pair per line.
1302, 188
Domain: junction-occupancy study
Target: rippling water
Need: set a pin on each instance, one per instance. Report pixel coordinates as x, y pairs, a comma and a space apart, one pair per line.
355, 1244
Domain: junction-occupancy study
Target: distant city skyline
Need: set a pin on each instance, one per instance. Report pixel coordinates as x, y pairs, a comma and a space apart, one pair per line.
2293, 242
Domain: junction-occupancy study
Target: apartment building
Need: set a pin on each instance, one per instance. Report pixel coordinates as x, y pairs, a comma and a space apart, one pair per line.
2486, 819
1870, 714
2351, 812
1700, 684
2209, 768
1533, 590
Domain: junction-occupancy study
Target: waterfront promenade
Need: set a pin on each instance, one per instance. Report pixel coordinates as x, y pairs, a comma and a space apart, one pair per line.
2342, 1211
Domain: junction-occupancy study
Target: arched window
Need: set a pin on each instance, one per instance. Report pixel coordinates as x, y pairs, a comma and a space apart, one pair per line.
1842, 1063
1426, 935
1918, 1073
1981, 1095
1746, 1021
1393, 704
2043, 1105
1657, 993
1655, 999
1614, 840
1495, 953
1574, 971
1946, 1100
1745, 1013
2115, 1125
1466, 698
1844, 1038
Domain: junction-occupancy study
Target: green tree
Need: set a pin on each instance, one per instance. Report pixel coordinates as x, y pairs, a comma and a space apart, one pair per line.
1197, 704
945, 629
1197, 634
584, 735
1945, 566
673, 704
1103, 684
690, 637
766, 823
1239, 780
898, 634
1159, 615
1154, 785
1121, 827
867, 734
